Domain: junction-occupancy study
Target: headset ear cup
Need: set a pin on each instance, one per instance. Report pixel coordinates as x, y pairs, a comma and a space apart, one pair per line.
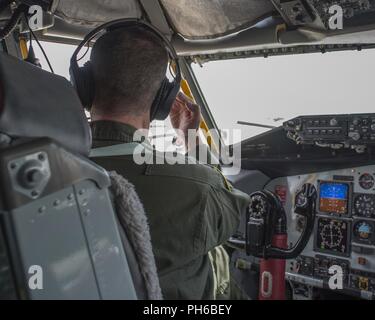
83, 80
164, 100
88, 85
156, 105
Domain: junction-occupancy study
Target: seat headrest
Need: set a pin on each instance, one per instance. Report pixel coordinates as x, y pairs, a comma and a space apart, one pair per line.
35, 104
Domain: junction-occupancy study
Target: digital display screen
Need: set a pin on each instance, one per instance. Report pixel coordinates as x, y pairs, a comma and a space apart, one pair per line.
332, 236
334, 197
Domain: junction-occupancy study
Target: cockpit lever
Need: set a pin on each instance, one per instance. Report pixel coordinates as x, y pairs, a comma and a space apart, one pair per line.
266, 220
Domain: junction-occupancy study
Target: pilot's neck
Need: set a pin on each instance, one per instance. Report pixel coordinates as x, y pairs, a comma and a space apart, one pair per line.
138, 122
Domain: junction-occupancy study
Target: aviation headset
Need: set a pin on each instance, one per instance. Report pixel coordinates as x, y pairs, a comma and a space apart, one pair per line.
83, 79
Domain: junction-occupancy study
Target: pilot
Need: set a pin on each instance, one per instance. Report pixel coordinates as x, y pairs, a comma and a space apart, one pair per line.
191, 208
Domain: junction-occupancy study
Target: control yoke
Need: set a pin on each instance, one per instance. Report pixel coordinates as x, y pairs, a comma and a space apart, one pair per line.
266, 219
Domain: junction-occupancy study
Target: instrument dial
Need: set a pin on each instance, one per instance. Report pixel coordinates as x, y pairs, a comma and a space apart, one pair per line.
366, 181
364, 205
363, 231
332, 236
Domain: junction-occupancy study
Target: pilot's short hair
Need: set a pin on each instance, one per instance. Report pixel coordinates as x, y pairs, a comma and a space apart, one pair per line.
129, 65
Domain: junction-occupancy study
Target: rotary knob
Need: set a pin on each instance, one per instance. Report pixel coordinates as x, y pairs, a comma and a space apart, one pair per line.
333, 122
355, 136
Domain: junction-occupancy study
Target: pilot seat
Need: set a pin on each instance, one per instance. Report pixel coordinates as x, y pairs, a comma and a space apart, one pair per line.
68, 229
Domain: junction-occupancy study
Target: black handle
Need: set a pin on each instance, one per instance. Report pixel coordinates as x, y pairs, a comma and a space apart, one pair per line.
304, 206
266, 217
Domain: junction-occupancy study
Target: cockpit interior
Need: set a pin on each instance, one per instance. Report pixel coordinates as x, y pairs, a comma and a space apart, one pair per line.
305, 158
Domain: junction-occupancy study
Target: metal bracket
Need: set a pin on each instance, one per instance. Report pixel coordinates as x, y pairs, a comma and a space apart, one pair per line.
30, 174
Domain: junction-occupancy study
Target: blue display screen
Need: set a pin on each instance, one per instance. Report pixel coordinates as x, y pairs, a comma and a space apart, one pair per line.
337, 191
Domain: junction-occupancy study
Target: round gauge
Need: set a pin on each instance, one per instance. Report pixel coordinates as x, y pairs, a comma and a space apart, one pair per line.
363, 231
364, 205
331, 236
366, 181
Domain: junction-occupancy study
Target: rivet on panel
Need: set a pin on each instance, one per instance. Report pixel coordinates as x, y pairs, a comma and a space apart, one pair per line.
42, 209
56, 203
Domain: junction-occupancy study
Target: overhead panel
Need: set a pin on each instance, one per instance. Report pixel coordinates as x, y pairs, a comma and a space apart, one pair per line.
96, 12
204, 19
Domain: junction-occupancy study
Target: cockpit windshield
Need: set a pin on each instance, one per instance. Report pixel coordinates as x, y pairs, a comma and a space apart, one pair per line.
256, 94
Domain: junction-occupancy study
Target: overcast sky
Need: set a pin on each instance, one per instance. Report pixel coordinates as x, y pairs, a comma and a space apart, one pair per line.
262, 90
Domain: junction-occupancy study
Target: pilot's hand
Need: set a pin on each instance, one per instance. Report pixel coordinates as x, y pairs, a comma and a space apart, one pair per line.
185, 115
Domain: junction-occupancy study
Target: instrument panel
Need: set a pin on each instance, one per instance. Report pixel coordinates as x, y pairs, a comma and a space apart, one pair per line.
341, 131
344, 232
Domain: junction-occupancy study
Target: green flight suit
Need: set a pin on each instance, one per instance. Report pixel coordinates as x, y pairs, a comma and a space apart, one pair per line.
190, 208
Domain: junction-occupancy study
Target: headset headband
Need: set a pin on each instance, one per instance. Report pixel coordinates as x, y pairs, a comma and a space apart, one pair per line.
128, 22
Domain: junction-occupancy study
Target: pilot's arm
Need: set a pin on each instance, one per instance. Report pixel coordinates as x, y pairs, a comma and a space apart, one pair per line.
224, 205
223, 210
